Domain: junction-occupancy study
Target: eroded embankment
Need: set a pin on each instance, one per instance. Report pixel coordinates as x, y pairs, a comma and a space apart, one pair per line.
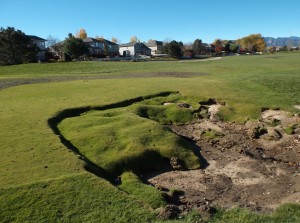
74, 112
255, 165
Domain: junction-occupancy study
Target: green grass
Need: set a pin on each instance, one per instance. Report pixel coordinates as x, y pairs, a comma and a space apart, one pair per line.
74, 198
32, 155
212, 134
123, 139
149, 195
290, 129
288, 213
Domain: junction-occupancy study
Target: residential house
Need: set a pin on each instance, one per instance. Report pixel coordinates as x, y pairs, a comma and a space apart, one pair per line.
101, 47
155, 46
208, 48
57, 49
134, 49
113, 48
41, 44
95, 46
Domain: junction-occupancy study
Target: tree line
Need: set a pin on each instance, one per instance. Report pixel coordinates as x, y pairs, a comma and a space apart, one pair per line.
16, 47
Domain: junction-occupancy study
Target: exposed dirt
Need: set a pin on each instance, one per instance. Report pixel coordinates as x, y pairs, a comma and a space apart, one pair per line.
11, 82
200, 60
255, 165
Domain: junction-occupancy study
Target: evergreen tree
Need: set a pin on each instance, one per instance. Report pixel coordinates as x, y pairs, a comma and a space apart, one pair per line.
197, 46
173, 49
74, 47
233, 48
16, 47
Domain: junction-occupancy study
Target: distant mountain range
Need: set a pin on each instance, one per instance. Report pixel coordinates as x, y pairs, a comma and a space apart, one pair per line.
283, 41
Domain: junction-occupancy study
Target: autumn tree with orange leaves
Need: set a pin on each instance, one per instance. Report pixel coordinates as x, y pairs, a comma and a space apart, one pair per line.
81, 34
253, 42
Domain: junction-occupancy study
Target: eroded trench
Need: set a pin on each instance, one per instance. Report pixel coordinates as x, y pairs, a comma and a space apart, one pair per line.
254, 165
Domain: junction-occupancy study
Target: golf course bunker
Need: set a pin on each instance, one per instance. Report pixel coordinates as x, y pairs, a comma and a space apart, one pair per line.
255, 165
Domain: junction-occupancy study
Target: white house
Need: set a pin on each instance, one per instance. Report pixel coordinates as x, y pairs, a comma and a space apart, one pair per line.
134, 49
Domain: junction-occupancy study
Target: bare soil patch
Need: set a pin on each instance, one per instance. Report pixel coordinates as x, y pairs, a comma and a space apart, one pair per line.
11, 82
255, 165
201, 60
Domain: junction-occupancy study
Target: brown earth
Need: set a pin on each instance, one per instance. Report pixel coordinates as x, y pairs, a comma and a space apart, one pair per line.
11, 82
255, 165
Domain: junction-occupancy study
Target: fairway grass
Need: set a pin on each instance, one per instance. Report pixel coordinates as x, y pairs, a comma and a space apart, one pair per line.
43, 181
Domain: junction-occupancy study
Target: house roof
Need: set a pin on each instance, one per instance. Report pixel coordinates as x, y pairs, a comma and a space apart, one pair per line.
133, 44
36, 38
128, 44
154, 43
89, 40
110, 43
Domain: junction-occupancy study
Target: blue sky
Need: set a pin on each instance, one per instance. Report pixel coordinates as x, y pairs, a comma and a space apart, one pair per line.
181, 20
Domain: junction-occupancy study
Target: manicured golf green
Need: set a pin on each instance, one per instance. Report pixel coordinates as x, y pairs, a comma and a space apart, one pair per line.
43, 181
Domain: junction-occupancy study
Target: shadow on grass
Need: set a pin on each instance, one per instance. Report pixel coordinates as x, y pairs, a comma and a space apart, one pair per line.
196, 150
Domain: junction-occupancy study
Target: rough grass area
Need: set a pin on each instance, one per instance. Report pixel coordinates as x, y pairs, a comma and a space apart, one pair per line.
149, 195
285, 213
288, 213
130, 138
32, 156
74, 198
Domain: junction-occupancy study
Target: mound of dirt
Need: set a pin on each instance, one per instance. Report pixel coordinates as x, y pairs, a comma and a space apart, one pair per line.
256, 171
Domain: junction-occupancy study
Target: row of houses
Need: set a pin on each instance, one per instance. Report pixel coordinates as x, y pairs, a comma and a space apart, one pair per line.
102, 47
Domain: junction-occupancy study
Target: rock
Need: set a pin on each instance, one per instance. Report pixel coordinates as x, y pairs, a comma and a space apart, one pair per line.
183, 105
176, 164
206, 210
204, 113
255, 129
254, 154
168, 212
274, 134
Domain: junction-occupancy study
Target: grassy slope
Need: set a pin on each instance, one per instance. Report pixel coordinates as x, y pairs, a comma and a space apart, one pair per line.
120, 140
76, 198
31, 154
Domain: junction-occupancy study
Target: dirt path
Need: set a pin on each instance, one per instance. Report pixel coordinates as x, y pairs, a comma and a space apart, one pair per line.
201, 60
255, 166
11, 82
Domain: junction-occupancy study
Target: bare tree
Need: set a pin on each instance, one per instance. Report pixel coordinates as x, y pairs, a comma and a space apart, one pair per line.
51, 40
133, 39
99, 37
114, 40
